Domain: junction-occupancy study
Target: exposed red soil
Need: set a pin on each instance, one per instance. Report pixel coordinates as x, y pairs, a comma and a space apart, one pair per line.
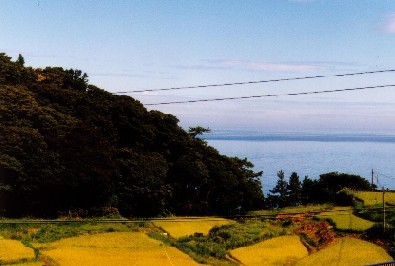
316, 235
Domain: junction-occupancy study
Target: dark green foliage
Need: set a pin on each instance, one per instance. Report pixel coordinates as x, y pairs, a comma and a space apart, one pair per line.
20, 60
342, 198
74, 79
279, 196
327, 188
294, 190
310, 191
12, 73
196, 131
141, 187
66, 145
331, 183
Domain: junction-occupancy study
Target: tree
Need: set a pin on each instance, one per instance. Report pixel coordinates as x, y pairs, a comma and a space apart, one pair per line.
328, 186
331, 183
20, 61
310, 192
279, 192
75, 79
198, 130
10, 72
294, 190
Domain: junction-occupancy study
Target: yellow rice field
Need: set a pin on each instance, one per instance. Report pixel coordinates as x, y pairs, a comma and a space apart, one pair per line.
118, 248
347, 251
275, 251
373, 198
13, 250
189, 225
346, 220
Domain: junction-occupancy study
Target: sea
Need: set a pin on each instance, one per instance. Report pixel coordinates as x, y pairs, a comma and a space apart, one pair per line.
310, 154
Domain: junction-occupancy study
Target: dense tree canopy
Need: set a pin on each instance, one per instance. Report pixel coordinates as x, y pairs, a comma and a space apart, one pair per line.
65, 144
326, 189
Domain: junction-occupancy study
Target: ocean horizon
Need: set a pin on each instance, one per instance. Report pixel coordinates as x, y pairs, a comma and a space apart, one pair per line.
311, 154
298, 136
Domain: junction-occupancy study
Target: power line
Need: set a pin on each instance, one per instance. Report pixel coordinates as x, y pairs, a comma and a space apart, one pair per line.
271, 95
385, 176
257, 82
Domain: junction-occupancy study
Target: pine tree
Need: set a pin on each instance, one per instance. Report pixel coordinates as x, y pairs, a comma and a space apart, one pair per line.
20, 60
280, 191
294, 188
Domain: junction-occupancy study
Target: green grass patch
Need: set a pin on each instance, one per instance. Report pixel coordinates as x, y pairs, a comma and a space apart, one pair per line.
344, 219
214, 248
45, 233
294, 210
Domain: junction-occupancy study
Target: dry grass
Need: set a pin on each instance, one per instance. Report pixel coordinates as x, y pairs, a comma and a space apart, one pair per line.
344, 219
13, 250
347, 251
275, 251
120, 248
189, 225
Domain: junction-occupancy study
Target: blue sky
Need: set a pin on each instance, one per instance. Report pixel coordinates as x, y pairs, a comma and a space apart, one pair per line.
131, 45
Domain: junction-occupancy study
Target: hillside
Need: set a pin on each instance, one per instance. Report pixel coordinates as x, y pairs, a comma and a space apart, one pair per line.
70, 147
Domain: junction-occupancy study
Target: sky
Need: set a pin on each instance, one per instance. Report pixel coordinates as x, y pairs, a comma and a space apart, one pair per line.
134, 45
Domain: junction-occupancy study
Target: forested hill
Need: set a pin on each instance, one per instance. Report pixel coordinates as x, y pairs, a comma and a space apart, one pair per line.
67, 145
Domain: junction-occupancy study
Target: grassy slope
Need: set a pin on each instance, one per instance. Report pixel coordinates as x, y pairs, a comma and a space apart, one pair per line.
275, 251
347, 251
373, 198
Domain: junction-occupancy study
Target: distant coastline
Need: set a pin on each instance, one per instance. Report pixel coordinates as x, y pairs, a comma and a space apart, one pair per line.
318, 137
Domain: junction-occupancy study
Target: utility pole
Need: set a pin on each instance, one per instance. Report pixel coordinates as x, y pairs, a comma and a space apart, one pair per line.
383, 211
372, 180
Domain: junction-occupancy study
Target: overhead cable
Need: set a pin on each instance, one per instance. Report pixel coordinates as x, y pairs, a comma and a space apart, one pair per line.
386, 176
257, 82
271, 95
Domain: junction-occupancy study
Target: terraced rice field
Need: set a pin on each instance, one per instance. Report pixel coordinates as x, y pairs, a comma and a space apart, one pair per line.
345, 219
373, 198
275, 251
13, 250
119, 248
347, 251
188, 226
